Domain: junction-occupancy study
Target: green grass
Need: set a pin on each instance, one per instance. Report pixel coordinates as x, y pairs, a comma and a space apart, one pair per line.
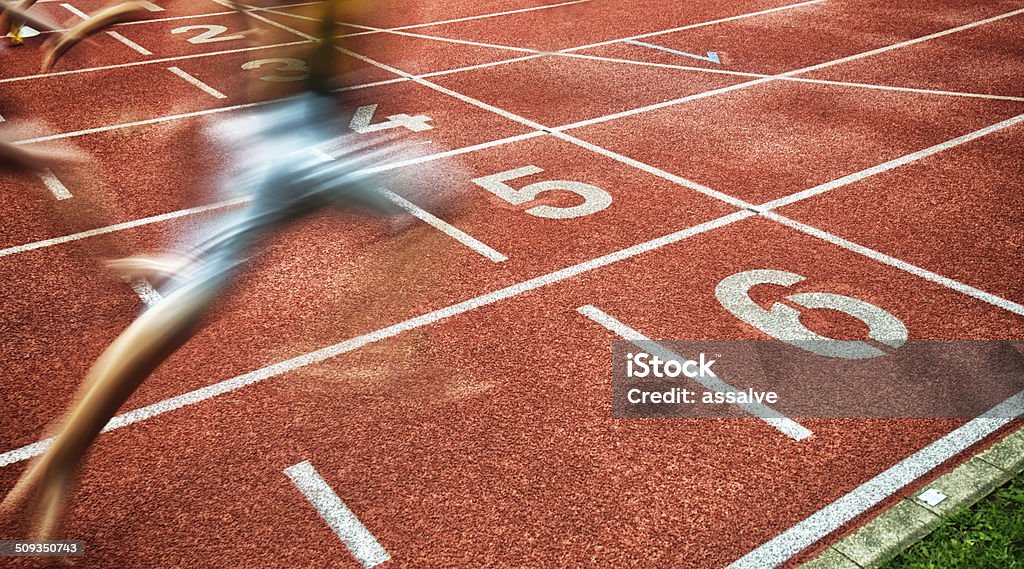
987, 534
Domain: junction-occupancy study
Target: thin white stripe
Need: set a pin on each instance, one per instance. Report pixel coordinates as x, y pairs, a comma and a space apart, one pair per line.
786, 74
149, 62
785, 425
886, 166
59, 190
445, 227
783, 547
434, 221
359, 541
75, 11
129, 43
119, 227
902, 265
716, 71
256, 376
203, 86
149, 295
691, 26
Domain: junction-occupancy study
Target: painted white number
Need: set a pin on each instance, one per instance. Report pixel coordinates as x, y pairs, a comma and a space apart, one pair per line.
361, 121
783, 322
280, 64
594, 198
211, 34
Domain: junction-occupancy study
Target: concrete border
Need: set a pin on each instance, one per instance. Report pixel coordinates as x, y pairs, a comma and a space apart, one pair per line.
910, 519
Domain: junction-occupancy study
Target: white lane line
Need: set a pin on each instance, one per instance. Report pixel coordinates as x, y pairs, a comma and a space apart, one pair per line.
59, 190
692, 26
906, 43
218, 110
490, 15
129, 43
238, 201
436, 23
120, 227
359, 541
149, 295
780, 76
895, 163
203, 86
183, 17
902, 265
710, 57
445, 227
785, 425
783, 547
736, 202
435, 38
995, 300
226, 386
434, 221
715, 71
150, 62
75, 11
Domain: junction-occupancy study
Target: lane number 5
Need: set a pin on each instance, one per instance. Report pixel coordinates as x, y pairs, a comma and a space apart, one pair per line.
594, 198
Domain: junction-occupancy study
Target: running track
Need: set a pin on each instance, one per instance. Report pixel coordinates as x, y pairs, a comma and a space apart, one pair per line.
446, 383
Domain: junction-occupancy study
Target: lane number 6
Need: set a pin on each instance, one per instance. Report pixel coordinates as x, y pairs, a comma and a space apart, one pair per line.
783, 322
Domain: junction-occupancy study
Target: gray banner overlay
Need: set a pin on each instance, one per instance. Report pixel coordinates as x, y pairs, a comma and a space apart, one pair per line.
10, 548
814, 379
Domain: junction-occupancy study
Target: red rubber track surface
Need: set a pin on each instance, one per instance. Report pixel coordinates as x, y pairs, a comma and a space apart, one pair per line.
482, 435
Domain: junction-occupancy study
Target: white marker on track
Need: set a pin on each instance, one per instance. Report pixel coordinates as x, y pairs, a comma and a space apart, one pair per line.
359, 541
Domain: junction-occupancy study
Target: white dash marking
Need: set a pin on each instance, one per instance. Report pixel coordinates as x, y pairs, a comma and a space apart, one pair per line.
152, 7
60, 191
932, 497
2, 119
149, 295
75, 11
434, 221
445, 227
129, 43
359, 541
210, 90
787, 426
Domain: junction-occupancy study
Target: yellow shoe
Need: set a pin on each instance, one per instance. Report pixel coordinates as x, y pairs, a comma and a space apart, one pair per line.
14, 36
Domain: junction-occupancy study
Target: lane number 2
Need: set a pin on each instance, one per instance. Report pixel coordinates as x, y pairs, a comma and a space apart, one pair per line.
783, 322
594, 198
212, 33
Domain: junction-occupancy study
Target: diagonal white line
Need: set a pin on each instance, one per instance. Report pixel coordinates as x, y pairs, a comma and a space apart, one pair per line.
202, 86
202, 394
783, 547
359, 541
692, 26
895, 163
785, 425
902, 265
129, 43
